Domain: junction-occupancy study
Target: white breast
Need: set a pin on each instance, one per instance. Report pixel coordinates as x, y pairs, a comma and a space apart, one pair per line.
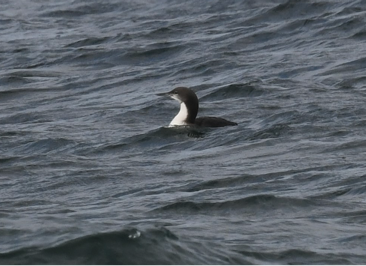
180, 118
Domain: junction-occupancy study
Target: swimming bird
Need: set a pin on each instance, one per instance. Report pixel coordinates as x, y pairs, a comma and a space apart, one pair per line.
189, 108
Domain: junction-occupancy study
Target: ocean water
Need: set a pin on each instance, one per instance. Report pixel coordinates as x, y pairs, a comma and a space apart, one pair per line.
90, 173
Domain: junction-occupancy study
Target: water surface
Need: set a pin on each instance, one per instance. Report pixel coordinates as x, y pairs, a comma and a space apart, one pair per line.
89, 172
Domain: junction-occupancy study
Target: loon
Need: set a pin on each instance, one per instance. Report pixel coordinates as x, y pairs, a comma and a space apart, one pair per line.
189, 108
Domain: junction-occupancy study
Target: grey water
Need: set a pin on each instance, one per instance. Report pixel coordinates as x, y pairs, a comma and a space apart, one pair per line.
91, 174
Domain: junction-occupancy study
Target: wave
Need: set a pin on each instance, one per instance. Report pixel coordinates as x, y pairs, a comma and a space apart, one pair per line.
129, 246
160, 245
243, 206
124, 247
236, 91
154, 139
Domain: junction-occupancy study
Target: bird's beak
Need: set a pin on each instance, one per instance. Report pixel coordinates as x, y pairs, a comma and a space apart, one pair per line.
163, 94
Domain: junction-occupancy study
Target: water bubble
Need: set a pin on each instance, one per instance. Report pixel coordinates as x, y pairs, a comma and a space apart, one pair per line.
134, 235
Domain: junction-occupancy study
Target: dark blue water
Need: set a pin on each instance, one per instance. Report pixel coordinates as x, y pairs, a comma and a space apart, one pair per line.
90, 173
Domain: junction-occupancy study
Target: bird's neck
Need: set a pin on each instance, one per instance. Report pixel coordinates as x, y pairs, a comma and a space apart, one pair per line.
185, 116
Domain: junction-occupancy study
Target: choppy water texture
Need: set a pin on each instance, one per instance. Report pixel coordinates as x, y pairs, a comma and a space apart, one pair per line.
91, 174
